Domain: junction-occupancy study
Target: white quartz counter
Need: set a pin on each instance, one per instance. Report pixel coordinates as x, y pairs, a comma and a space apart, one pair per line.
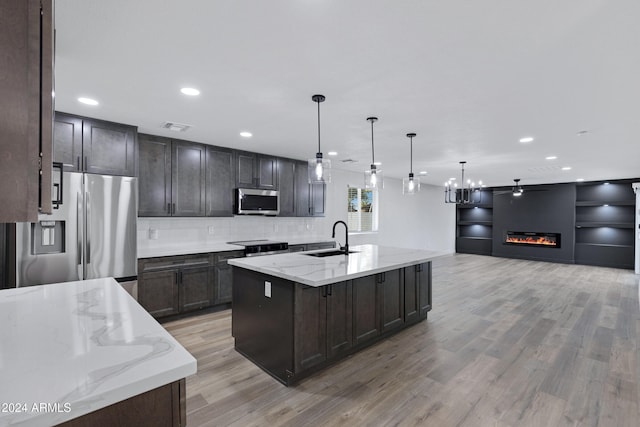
68, 349
203, 248
316, 271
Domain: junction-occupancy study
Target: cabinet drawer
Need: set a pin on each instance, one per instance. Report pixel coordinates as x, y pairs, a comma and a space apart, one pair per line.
180, 261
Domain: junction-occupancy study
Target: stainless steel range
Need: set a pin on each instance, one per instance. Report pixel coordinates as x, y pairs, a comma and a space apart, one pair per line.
262, 247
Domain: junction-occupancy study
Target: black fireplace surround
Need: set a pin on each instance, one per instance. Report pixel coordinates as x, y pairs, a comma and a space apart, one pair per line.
532, 238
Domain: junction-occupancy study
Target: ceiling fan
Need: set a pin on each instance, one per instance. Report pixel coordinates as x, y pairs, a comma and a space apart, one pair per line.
517, 190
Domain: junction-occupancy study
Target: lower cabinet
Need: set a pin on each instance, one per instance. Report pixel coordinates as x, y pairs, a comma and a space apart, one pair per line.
223, 275
172, 285
323, 328
292, 330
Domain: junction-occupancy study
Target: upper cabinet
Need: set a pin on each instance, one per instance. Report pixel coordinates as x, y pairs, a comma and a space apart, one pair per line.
256, 171
310, 198
220, 182
172, 177
26, 108
286, 180
94, 146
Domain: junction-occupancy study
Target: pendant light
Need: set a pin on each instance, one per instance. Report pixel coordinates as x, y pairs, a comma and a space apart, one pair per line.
319, 168
411, 185
373, 177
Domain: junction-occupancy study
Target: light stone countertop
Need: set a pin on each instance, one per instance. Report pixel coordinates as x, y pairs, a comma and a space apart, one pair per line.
79, 346
315, 271
203, 248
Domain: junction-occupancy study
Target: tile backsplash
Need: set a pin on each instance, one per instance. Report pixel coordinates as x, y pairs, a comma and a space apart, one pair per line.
153, 232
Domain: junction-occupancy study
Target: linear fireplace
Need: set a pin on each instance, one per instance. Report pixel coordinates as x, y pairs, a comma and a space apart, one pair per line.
528, 238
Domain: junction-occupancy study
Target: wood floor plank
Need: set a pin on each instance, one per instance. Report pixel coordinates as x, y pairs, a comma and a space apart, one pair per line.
508, 343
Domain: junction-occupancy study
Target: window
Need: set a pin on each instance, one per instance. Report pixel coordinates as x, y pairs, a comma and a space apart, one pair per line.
362, 209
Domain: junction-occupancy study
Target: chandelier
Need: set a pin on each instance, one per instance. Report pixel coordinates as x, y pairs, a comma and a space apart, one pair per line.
465, 194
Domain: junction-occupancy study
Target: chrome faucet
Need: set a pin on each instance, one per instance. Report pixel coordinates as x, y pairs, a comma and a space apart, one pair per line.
344, 248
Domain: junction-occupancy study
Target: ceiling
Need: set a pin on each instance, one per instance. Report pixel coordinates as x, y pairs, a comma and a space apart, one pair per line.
470, 78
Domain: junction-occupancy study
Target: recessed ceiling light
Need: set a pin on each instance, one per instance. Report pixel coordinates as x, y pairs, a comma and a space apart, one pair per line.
551, 157
190, 91
566, 168
87, 101
422, 172
526, 139
582, 132
246, 134
579, 179
332, 153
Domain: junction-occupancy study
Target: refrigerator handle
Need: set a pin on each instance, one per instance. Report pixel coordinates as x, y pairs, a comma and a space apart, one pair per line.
79, 228
88, 228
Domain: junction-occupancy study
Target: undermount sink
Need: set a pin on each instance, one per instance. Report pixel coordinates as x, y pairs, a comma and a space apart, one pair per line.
330, 253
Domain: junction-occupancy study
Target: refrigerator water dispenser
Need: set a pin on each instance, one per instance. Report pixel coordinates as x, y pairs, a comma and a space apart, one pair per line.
47, 237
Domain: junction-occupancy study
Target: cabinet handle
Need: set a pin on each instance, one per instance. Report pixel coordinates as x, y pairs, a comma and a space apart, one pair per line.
169, 208
78, 161
86, 162
330, 290
174, 209
324, 292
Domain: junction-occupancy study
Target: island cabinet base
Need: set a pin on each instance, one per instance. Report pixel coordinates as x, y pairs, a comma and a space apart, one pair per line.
160, 407
291, 330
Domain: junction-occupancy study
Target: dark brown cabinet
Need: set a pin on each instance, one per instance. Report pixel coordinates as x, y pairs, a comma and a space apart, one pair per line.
423, 274
223, 277
172, 285
392, 299
287, 187
324, 329
411, 294
94, 146
366, 313
310, 198
26, 108
172, 177
220, 182
256, 171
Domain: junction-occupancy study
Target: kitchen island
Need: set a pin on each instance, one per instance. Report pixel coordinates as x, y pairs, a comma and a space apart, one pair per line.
86, 353
294, 314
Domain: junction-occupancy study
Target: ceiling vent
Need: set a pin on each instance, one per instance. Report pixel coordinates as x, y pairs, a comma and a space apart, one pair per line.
349, 161
176, 127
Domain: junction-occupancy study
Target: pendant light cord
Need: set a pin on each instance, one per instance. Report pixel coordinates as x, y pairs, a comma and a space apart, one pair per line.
318, 102
411, 157
373, 156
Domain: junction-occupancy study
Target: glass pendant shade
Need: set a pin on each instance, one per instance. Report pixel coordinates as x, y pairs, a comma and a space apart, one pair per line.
319, 170
410, 185
373, 178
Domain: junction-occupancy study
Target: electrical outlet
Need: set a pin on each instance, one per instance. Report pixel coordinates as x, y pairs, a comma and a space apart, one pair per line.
267, 289
211, 229
153, 234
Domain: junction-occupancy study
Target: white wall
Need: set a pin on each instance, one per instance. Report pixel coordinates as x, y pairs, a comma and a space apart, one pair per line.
422, 221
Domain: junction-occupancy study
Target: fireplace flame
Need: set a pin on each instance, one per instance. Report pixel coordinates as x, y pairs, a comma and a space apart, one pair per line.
532, 240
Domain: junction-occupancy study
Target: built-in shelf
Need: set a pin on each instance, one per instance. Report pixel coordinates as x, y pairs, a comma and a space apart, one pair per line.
605, 223
474, 227
488, 223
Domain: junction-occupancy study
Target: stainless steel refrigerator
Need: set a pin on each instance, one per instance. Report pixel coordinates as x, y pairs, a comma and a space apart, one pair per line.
92, 233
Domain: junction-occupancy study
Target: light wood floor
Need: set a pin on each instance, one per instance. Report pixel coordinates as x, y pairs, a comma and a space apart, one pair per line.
508, 343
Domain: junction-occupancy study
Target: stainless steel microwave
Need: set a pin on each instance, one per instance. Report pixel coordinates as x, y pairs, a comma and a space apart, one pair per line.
250, 201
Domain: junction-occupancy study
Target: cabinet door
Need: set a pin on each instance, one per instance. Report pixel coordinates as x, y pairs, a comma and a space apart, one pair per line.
220, 182
3, 255
196, 291
224, 276
424, 288
158, 292
267, 172
339, 318
25, 84
188, 173
318, 199
67, 141
310, 329
108, 148
302, 190
286, 181
246, 170
155, 176
392, 301
411, 294
366, 317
